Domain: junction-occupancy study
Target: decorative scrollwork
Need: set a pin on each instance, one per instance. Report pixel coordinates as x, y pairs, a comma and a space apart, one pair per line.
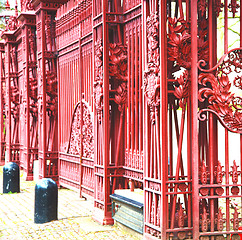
202, 4
51, 91
218, 5
152, 73
219, 173
26, 5
179, 42
220, 220
121, 95
118, 61
181, 216
204, 173
238, 82
118, 70
15, 100
87, 133
82, 136
98, 82
234, 173
205, 220
233, 6
179, 50
33, 94
12, 24
236, 220
221, 100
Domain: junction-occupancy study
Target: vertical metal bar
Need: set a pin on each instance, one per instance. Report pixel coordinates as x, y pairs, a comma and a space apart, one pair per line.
226, 131
151, 159
27, 100
158, 149
44, 124
211, 164
187, 10
132, 90
225, 26
65, 100
140, 92
178, 165
194, 119
105, 109
1, 107
8, 115
178, 134
129, 93
181, 9
80, 77
136, 91
170, 140
90, 77
227, 179
163, 116
212, 124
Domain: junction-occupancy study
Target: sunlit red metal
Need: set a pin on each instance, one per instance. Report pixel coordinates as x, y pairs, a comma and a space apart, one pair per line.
107, 93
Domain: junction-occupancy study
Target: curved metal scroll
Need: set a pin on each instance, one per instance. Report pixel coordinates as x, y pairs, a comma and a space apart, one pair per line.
227, 106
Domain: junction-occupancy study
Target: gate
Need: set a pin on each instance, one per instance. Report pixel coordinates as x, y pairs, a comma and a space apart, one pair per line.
192, 172
113, 92
74, 43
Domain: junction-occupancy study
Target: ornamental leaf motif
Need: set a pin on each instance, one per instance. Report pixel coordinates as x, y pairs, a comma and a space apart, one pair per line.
179, 50
182, 91
217, 90
179, 42
118, 71
118, 61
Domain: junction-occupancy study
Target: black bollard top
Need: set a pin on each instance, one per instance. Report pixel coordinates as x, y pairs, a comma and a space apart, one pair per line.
45, 183
11, 178
11, 166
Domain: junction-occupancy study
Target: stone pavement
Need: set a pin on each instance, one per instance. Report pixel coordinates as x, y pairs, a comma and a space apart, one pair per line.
74, 218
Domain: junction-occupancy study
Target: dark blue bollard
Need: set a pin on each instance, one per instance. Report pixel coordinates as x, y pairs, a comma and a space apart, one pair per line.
11, 178
46, 201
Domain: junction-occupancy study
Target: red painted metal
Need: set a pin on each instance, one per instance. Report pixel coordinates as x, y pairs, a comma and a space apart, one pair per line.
12, 92
141, 99
28, 89
47, 88
2, 106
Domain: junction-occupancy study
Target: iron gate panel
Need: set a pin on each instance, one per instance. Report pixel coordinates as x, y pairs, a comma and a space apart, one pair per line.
147, 101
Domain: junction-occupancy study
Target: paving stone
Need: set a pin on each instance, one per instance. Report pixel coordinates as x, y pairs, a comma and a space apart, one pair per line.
74, 218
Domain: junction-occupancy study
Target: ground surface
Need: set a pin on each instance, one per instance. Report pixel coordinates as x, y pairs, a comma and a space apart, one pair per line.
74, 218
